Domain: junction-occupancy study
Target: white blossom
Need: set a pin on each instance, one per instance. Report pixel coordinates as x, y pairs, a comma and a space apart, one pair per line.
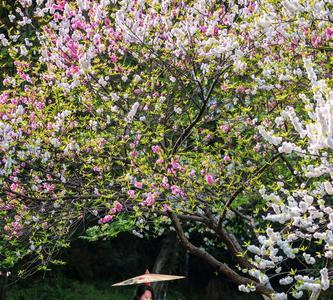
325, 282
246, 289
269, 136
280, 296
287, 280
132, 112
178, 110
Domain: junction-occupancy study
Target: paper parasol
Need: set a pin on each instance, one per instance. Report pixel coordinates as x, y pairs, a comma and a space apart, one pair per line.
148, 278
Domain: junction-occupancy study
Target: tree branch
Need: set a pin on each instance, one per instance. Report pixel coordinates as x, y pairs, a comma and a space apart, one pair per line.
230, 241
211, 260
242, 188
205, 100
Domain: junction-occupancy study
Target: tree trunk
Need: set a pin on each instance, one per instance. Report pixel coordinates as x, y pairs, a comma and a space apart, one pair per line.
3, 286
165, 263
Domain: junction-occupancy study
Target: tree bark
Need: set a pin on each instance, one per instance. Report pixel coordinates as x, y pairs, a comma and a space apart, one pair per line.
165, 263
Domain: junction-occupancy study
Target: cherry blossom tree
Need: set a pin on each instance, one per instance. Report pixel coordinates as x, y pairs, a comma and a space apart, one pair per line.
146, 115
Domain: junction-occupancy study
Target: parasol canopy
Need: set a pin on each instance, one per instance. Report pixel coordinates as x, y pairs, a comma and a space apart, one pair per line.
148, 278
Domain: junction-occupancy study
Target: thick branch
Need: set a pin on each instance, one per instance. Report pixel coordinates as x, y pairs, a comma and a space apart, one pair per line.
217, 265
210, 221
232, 244
180, 216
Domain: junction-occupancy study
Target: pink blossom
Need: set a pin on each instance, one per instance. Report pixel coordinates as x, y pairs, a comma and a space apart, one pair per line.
113, 58
149, 201
165, 185
107, 22
316, 41
17, 226
226, 158
156, 148
106, 219
4, 97
78, 24
118, 206
134, 154
175, 165
131, 193
171, 171
49, 188
59, 6
14, 187
160, 161
209, 179
225, 128
138, 184
6, 81
166, 208
328, 33
96, 169
240, 90
175, 190
203, 29
32, 117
